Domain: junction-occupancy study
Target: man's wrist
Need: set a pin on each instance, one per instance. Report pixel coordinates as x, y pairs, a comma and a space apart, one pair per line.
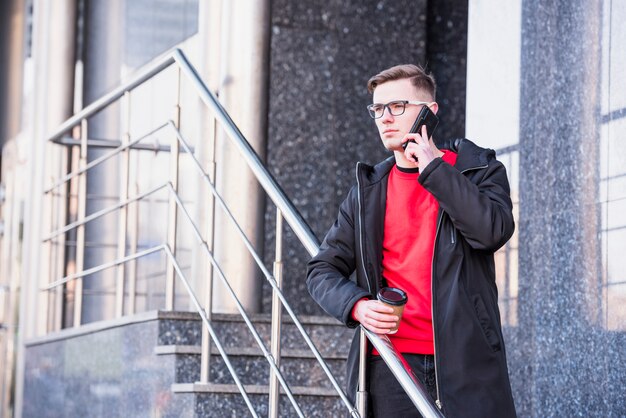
353, 312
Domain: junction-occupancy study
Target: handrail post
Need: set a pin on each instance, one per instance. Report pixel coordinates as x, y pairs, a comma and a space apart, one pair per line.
70, 215
132, 267
205, 357
173, 209
80, 230
403, 374
277, 307
51, 302
53, 206
59, 204
361, 394
123, 218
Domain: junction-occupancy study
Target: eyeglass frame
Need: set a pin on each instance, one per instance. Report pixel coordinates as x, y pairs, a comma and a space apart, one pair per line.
386, 106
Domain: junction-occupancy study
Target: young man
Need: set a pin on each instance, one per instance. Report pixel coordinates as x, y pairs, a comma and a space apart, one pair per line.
427, 221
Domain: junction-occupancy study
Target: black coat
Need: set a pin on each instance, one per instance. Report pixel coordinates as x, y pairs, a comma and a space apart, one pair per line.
475, 219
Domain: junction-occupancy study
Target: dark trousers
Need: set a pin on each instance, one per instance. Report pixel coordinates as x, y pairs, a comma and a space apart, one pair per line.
386, 396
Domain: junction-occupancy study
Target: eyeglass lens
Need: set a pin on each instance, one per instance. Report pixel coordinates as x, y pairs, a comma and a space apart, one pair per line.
395, 108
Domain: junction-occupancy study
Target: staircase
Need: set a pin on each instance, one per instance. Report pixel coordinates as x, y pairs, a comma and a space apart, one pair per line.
221, 398
114, 365
148, 364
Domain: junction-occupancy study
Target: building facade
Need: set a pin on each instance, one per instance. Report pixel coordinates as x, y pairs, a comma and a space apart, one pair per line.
539, 81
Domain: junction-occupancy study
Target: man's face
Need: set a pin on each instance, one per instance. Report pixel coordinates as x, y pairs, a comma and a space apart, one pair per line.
393, 128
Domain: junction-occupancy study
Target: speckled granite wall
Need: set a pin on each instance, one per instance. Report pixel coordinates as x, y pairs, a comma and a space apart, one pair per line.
140, 366
567, 358
446, 51
322, 54
110, 372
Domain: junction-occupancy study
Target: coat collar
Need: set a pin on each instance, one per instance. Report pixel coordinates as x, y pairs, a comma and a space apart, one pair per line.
373, 174
469, 156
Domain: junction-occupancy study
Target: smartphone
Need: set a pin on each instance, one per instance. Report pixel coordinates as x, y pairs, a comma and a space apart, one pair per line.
425, 117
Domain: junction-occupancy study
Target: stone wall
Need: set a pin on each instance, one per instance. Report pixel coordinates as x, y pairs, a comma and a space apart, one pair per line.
322, 54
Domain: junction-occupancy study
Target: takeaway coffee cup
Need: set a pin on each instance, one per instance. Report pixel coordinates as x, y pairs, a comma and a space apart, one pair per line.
395, 298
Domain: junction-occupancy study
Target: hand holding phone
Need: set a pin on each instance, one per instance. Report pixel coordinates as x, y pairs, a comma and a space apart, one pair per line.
425, 117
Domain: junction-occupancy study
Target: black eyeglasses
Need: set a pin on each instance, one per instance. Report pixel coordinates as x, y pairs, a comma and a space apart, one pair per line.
396, 108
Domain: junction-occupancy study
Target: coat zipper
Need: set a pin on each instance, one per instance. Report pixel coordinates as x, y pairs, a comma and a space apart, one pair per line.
474, 168
358, 194
358, 198
432, 290
432, 313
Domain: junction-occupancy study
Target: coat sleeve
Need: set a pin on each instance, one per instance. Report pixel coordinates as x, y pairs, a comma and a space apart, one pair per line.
482, 212
329, 272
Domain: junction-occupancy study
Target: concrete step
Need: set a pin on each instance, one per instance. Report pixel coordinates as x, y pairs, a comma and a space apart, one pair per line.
299, 367
179, 344
225, 401
328, 335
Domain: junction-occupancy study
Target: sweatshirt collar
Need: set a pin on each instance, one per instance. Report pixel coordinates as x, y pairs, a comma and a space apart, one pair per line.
469, 156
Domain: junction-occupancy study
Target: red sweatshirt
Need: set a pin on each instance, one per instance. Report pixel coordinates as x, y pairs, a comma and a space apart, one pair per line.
408, 245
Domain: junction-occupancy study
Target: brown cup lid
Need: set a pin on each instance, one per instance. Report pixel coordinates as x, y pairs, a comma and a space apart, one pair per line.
392, 296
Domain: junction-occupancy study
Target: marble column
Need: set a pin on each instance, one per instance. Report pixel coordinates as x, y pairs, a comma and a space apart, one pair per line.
559, 227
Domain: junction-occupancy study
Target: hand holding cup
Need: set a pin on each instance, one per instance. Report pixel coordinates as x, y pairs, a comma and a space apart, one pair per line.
395, 299
379, 316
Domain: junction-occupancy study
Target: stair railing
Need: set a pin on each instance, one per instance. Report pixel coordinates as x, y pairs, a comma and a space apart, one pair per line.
285, 209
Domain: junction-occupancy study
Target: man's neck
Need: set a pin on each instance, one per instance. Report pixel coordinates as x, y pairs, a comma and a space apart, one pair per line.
401, 160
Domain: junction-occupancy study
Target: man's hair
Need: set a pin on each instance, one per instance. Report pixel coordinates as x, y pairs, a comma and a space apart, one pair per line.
422, 80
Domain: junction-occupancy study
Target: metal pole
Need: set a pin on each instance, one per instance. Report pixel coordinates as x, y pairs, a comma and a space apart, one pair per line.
270, 279
219, 346
413, 387
299, 226
205, 364
277, 308
54, 206
59, 203
80, 231
205, 359
48, 224
123, 218
63, 199
361, 394
68, 266
132, 265
172, 212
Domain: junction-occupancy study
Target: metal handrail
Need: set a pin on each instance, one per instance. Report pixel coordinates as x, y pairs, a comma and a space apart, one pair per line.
297, 223
141, 77
295, 220
204, 246
103, 212
267, 181
394, 359
101, 267
240, 307
221, 275
270, 278
165, 248
299, 226
219, 346
292, 216
102, 159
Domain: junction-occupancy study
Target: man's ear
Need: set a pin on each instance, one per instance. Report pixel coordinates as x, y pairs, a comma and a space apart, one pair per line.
434, 107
